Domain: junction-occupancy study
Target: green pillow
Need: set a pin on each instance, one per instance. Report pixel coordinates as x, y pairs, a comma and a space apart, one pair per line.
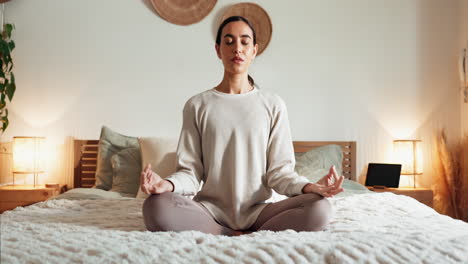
126, 165
110, 143
316, 163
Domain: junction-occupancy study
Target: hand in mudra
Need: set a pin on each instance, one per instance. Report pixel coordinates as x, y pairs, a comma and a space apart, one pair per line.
152, 183
327, 186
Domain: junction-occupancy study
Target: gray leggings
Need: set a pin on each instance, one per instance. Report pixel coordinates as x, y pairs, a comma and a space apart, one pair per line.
174, 212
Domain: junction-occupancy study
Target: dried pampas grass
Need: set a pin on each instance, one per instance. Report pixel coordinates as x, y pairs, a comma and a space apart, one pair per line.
451, 182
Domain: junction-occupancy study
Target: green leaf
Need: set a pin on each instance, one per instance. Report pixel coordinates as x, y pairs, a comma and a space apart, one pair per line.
8, 28
11, 45
10, 90
7, 78
5, 124
4, 48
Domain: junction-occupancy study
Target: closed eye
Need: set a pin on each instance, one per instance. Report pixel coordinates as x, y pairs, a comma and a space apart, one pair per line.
230, 39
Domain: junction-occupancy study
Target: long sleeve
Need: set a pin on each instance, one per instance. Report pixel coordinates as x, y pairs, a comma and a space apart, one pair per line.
280, 174
240, 146
189, 169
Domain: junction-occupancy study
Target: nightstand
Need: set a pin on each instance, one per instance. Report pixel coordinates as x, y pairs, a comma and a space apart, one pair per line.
423, 195
12, 196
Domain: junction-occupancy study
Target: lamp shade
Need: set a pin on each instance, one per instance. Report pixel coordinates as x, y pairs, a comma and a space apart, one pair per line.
28, 155
408, 153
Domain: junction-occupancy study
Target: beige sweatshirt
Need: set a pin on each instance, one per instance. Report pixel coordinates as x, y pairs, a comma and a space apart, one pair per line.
240, 146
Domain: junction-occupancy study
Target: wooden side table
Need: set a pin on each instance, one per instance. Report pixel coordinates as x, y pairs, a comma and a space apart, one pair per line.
12, 196
423, 195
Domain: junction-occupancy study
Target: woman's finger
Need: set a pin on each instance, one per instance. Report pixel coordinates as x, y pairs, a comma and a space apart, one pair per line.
336, 191
145, 178
148, 168
148, 189
339, 181
335, 174
326, 189
330, 179
148, 178
334, 188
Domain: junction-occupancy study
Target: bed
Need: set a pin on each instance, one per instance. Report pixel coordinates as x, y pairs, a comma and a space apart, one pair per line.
88, 225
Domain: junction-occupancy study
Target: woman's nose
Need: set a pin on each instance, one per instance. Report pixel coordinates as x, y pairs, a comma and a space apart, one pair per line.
237, 48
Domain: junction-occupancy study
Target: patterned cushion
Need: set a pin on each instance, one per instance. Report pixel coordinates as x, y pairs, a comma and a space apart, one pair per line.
110, 143
126, 165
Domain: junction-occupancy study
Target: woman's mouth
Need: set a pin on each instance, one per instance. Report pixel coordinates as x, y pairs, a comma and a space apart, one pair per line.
237, 60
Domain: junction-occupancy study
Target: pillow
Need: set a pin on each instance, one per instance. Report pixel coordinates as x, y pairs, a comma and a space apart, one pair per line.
126, 166
161, 154
316, 163
110, 143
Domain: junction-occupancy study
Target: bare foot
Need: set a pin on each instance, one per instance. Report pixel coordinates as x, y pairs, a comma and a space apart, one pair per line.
240, 233
237, 233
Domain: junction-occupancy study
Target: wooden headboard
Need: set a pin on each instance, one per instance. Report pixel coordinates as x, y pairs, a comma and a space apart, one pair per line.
85, 161
85, 158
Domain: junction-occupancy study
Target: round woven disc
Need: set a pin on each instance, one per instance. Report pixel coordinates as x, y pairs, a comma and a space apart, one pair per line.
183, 12
259, 19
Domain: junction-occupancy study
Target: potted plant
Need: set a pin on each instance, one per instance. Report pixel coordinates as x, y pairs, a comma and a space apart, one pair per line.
7, 78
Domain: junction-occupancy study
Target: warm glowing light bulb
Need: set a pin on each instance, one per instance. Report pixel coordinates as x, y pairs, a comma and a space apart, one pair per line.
28, 156
408, 153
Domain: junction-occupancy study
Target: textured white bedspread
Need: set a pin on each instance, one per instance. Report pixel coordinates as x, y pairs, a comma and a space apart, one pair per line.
367, 228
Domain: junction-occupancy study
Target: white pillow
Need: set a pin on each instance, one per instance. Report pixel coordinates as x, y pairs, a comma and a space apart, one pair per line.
161, 154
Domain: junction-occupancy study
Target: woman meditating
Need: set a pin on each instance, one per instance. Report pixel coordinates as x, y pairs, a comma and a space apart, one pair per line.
236, 139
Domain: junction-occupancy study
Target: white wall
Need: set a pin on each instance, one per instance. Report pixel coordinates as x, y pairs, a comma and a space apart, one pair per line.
364, 70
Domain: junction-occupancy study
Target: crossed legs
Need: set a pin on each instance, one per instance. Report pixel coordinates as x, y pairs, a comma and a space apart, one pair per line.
305, 212
173, 212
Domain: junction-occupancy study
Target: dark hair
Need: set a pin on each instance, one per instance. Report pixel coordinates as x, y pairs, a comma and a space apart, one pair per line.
234, 19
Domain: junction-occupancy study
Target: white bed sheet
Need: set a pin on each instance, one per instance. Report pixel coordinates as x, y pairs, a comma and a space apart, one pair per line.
366, 228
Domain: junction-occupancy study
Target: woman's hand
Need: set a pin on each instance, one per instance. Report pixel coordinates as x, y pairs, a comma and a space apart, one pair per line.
330, 178
327, 186
152, 183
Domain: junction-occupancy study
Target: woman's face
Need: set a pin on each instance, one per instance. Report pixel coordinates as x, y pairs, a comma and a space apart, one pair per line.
236, 49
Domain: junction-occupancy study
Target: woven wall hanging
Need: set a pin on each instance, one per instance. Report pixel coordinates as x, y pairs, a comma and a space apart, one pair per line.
183, 12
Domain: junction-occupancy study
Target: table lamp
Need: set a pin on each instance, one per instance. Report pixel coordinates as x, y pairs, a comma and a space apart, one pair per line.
28, 156
409, 155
